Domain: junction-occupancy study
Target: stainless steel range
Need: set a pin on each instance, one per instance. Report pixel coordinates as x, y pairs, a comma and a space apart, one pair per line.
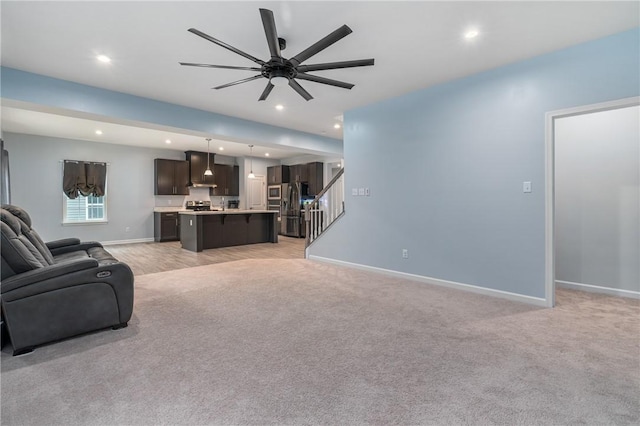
199, 206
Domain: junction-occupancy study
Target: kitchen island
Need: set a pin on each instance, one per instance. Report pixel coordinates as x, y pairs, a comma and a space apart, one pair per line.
201, 230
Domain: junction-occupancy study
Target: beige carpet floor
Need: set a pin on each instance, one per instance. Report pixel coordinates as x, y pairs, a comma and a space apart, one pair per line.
302, 343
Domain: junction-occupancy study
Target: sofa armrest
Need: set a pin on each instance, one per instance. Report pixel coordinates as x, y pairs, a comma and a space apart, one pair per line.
45, 273
85, 245
62, 243
82, 272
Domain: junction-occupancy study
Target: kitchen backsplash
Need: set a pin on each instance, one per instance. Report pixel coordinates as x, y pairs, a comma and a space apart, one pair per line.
195, 194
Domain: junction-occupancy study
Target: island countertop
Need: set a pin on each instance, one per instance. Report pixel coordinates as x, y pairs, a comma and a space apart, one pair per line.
228, 211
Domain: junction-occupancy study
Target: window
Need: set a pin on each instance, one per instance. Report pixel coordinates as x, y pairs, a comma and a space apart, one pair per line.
84, 187
85, 209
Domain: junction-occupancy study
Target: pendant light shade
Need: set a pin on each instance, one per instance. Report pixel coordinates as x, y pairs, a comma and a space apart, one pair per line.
208, 172
251, 175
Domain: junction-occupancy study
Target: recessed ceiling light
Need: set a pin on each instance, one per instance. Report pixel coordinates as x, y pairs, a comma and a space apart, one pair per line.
98, 132
104, 58
221, 148
471, 34
266, 154
168, 141
336, 126
279, 107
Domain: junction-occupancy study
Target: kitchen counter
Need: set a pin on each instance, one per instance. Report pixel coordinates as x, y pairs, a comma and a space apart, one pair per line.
201, 230
168, 209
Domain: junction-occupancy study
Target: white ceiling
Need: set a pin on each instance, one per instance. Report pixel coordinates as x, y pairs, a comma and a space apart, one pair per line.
415, 45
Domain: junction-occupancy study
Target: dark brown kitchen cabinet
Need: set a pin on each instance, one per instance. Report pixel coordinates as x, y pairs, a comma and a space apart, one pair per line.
171, 177
234, 182
277, 174
197, 166
227, 179
298, 173
166, 226
315, 175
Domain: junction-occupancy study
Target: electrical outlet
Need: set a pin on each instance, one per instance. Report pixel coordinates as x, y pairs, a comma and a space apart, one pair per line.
127, 229
354, 192
405, 253
169, 202
361, 191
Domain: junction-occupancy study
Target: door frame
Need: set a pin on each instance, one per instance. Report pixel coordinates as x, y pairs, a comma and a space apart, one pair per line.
549, 187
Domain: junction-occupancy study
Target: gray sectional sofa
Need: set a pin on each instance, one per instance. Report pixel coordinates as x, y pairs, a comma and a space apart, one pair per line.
59, 289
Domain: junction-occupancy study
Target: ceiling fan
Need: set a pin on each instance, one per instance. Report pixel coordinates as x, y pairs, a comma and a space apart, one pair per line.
281, 71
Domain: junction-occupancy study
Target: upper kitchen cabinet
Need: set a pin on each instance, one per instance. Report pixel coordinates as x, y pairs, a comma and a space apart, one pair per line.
277, 175
315, 176
197, 165
171, 177
227, 179
298, 173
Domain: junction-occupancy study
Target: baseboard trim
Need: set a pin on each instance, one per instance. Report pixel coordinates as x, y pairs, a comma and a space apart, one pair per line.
136, 240
537, 301
598, 289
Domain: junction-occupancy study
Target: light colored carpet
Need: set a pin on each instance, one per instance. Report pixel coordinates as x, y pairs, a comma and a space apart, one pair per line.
298, 342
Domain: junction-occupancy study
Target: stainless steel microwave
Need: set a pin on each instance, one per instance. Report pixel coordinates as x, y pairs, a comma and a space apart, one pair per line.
274, 192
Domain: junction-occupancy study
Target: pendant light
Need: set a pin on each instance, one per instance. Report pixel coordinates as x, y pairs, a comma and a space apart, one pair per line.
208, 172
251, 175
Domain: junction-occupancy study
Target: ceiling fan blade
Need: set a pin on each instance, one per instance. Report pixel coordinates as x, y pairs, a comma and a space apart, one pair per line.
244, 80
294, 84
323, 80
228, 67
266, 92
337, 35
335, 65
225, 45
269, 24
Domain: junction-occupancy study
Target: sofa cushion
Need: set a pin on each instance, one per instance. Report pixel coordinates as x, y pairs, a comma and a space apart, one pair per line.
24, 220
18, 251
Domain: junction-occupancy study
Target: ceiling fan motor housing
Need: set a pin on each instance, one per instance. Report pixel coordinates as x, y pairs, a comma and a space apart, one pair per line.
275, 68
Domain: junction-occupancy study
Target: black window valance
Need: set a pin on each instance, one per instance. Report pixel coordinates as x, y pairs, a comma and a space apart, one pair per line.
84, 178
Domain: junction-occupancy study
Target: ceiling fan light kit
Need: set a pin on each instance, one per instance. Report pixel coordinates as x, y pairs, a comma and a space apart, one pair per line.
281, 71
279, 81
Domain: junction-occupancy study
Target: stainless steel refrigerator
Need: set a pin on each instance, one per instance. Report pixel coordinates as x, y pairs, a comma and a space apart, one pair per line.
292, 223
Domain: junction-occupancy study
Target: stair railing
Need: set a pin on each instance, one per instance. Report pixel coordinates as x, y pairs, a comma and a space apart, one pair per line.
325, 208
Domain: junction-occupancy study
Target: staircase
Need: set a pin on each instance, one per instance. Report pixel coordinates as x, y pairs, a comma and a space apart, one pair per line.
325, 209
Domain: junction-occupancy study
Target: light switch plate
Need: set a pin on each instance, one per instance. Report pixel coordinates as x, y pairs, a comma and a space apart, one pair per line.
367, 192
526, 187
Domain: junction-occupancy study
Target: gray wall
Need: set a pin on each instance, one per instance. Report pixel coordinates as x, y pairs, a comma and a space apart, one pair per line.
446, 166
597, 199
36, 185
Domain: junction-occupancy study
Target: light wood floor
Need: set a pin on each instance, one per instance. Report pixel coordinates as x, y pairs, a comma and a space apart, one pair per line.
147, 258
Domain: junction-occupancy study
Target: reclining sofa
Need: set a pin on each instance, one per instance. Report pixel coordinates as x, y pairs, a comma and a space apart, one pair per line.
59, 289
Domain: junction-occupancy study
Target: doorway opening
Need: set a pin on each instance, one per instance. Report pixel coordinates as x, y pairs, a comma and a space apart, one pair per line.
551, 152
